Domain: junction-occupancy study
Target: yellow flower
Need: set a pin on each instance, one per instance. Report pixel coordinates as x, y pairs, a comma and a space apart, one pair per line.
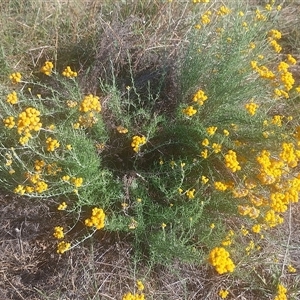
251, 108
163, 225
211, 130
67, 72
225, 132
97, 219
12, 98
15, 77
140, 285
189, 111
200, 97
205, 142
291, 269
231, 161
9, 122
223, 294
47, 68
62, 247
212, 226
77, 182
256, 228
191, 194
90, 103
62, 206
220, 259
217, 147
122, 129
137, 142
52, 144
204, 179
58, 232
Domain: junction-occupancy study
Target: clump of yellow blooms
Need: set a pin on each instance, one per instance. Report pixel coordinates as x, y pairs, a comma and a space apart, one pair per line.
28, 120
281, 292
211, 130
67, 72
47, 68
219, 258
205, 18
190, 193
189, 111
62, 247
200, 97
251, 108
220, 186
122, 129
62, 206
223, 10
223, 293
76, 181
15, 77
90, 103
129, 296
9, 122
137, 142
58, 232
97, 219
12, 98
231, 161
52, 144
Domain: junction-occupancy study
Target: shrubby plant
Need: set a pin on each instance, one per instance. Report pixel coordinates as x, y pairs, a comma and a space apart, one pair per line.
171, 180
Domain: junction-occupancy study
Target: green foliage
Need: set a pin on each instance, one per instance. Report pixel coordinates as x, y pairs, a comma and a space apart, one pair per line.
170, 180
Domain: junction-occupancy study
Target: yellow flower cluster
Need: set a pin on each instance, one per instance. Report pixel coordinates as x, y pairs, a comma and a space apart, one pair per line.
190, 194
231, 161
281, 292
220, 186
289, 154
62, 206
15, 77
270, 170
251, 108
47, 68
39, 165
67, 72
246, 210
90, 103
129, 296
263, 71
122, 129
219, 258
272, 219
28, 120
260, 16
189, 111
77, 181
211, 130
200, 97
223, 11
205, 18
12, 98
223, 293
58, 232
62, 247
137, 142
9, 122
52, 144
97, 219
